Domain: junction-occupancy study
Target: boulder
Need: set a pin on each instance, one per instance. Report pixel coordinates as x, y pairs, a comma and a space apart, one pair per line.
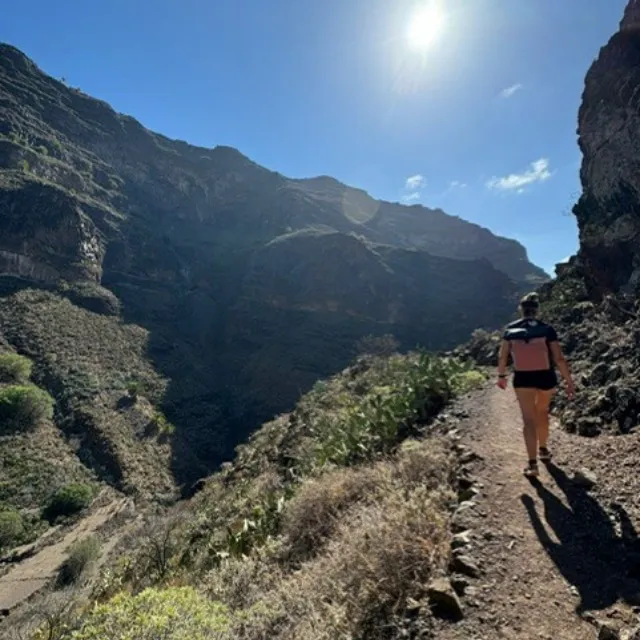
589, 426
465, 565
444, 600
608, 631
462, 539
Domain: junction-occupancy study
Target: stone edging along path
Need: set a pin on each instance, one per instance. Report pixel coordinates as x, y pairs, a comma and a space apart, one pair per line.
554, 558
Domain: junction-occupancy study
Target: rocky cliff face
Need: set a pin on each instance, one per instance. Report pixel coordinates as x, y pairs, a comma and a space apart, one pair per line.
417, 227
594, 301
608, 212
248, 286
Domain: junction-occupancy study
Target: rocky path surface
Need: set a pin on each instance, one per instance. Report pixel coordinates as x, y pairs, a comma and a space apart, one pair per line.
553, 558
27, 577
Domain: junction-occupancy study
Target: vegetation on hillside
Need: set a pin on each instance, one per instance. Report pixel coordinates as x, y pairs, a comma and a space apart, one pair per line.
329, 524
80, 558
14, 369
68, 500
31, 451
175, 613
87, 361
12, 527
23, 407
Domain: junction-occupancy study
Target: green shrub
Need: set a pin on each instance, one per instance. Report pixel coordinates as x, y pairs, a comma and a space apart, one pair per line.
246, 533
467, 380
11, 528
177, 613
81, 555
413, 390
134, 388
23, 407
68, 500
162, 425
14, 369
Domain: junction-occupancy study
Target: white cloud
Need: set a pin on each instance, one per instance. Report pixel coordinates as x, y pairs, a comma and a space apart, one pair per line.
414, 182
413, 186
538, 171
508, 92
412, 197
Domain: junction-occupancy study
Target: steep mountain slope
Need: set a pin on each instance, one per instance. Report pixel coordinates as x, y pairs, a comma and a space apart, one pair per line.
331, 522
419, 227
223, 289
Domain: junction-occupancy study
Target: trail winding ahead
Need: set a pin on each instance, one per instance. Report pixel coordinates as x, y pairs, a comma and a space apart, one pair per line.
26, 578
555, 562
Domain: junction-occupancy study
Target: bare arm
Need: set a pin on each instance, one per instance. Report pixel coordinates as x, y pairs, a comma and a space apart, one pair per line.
503, 358
561, 361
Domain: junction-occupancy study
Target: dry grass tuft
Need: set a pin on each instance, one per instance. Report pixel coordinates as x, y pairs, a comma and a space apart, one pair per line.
242, 582
380, 556
313, 514
358, 544
424, 465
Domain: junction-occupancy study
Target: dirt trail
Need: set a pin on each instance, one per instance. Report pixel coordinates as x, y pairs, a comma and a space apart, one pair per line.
29, 576
554, 562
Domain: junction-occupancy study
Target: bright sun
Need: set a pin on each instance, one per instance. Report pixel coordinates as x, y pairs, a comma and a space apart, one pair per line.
425, 26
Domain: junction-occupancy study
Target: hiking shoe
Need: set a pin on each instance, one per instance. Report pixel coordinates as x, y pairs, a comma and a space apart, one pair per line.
531, 470
545, 454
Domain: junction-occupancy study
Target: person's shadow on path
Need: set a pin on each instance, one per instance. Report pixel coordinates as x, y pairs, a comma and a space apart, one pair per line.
602, 563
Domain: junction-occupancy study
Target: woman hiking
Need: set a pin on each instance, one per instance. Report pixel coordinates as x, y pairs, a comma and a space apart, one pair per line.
535, 350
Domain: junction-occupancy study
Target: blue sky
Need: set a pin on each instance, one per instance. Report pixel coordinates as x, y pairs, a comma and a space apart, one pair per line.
481, 123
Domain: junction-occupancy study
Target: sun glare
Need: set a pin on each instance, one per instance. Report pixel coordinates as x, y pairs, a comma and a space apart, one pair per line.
425, 26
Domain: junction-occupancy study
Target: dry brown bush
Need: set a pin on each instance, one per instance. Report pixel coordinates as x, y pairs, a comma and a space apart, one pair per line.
385, 542
312, 515
381, 556
242, 582
155, 545
48, 617
385, 554
424, 465
267, 483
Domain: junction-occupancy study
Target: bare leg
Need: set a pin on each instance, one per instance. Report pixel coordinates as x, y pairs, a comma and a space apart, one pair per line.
543, 401
527, 400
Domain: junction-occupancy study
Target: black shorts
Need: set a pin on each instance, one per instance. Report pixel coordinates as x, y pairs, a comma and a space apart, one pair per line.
543, 380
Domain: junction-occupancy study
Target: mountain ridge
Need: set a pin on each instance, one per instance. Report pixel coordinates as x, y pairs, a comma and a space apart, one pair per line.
234, 156
225, 288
